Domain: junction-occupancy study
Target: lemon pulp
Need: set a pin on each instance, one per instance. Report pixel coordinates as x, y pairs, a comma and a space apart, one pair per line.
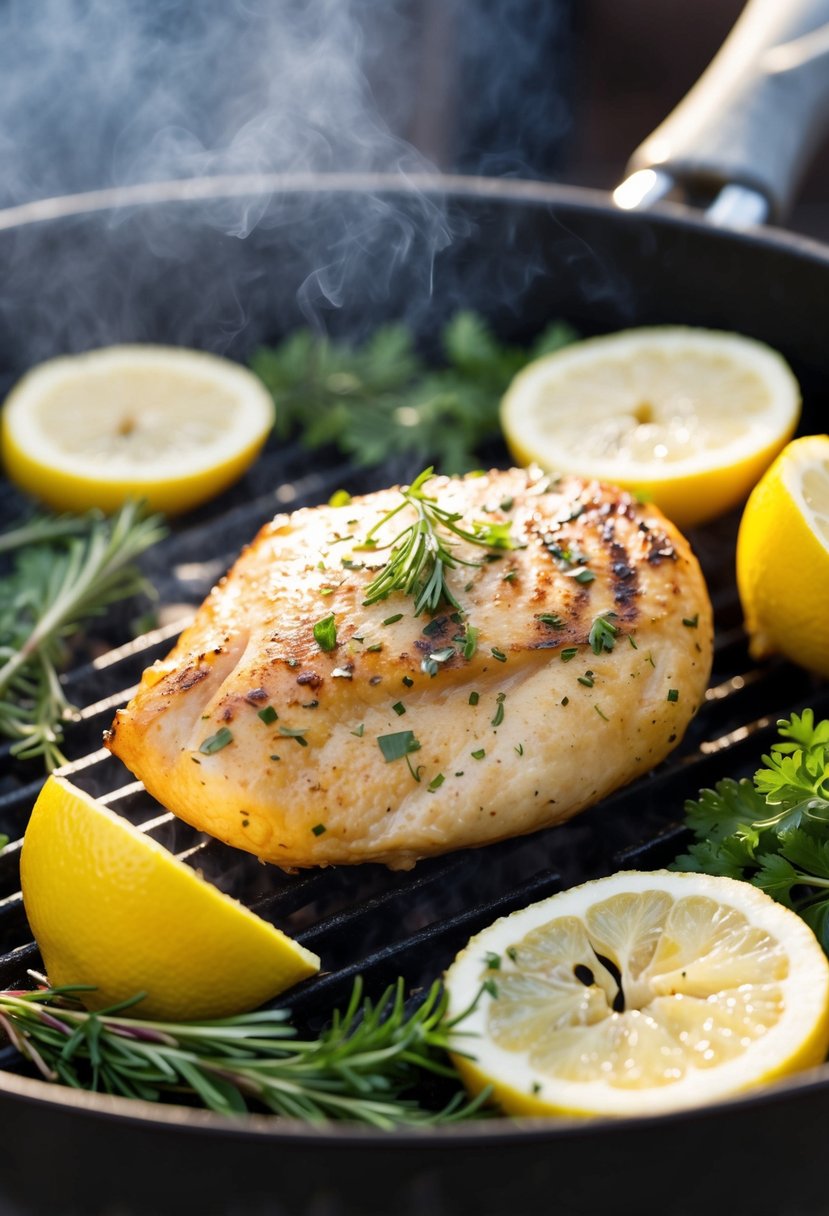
170, 425
687, 417
640, 993
110, 907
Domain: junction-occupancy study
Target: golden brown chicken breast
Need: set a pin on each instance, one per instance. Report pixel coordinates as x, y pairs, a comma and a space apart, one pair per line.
297, 721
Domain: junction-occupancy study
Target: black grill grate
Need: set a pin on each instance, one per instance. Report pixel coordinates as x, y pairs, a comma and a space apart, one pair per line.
367, 919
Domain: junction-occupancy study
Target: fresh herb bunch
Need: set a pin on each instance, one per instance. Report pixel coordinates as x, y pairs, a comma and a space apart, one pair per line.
363, 1067
381, 400
774, 830
62, 572
422, 552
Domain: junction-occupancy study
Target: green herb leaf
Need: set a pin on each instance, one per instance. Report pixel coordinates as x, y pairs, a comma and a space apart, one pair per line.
294, 732
603, 632
325, 632
425, 550
268, 714
363, 1067
397, 745
215, 743
63, 571
773, 831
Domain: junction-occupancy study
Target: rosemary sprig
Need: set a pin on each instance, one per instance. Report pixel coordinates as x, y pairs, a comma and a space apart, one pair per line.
420, 556
363, 1067
64, 571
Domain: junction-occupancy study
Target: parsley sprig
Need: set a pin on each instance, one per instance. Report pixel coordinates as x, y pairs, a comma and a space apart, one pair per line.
380, 400
774, 830
364, 1067
423, 551
64, 571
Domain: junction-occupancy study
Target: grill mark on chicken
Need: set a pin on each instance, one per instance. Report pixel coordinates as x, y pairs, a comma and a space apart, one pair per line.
534, 767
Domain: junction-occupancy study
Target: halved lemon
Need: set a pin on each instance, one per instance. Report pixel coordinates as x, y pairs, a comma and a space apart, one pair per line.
170, 425
689, 418
637, 994
783, 556
110, 907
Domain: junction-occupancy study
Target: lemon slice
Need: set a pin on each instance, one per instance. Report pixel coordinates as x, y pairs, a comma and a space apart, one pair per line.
110, 907
169, 425
783, 556
689, 418
637, 994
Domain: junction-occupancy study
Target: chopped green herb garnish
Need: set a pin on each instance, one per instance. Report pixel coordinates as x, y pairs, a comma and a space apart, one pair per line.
470, 642
512, 953
318, 829
375, 649
431, 664
395, 746
325, 632
569, 653
583, 576
408, 681
519, 749
509, 577
491, 987
550, 619
601, 715
587, 679
399, 708
565, 700
649, 659
359, 731
691, 621
492, 960
506, 504
479, 754
603, 632
498, 654
268, 714
291, 732
673, 694
392, 620
474, 698
274, 757
436, 783
434, 626
499, 712
632, 641
215, 743
340, 498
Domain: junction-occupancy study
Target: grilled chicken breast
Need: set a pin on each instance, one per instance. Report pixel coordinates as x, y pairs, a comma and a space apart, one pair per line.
414, 735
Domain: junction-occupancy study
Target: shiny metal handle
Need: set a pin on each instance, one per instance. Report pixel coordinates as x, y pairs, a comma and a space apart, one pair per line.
746, 131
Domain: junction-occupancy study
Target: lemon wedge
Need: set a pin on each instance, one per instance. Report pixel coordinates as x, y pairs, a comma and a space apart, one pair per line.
110, 907
638, 994
783, 556
169, 425
688, 418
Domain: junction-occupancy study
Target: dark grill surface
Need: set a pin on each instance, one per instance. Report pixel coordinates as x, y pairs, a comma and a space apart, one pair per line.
367, 919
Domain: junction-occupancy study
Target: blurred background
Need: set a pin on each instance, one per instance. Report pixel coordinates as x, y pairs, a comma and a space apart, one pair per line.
101, 92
